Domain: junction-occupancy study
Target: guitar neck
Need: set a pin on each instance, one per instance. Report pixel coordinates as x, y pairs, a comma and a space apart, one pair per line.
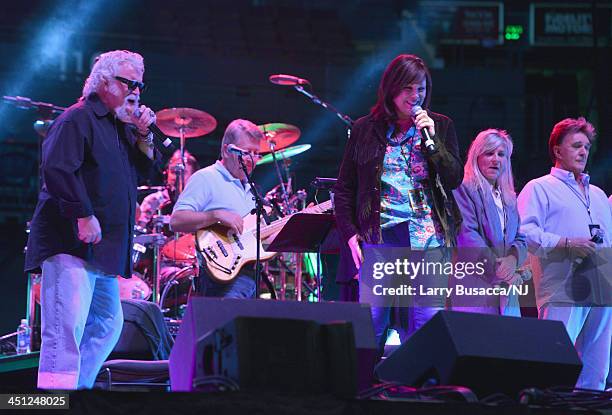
277, 225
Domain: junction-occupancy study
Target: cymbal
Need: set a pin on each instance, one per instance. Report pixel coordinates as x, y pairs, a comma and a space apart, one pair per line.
194, 123
284, 154
279, 134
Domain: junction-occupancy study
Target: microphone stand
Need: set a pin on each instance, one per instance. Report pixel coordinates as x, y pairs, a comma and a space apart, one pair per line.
259, 212
315, 99
45, 112
349, 123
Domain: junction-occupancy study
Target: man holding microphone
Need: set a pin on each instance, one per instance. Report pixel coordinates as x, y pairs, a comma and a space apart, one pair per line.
81, 232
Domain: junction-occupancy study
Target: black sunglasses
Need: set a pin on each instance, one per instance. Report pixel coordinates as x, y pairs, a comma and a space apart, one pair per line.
131, 84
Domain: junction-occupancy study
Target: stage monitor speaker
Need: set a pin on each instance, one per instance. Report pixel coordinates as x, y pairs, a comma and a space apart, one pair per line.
486, 353
279, 355
204, 314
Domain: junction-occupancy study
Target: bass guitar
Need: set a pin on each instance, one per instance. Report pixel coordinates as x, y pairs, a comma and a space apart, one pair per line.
226, 252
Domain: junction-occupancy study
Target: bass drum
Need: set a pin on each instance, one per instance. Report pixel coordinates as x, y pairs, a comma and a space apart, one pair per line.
176, 288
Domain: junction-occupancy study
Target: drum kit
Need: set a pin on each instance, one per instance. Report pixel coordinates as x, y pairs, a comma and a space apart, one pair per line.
160, 262
165, 263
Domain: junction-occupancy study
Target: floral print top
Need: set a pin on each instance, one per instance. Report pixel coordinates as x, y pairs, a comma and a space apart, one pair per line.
406, 193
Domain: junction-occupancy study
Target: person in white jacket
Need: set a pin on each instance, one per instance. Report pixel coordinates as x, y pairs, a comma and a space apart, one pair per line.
568, 227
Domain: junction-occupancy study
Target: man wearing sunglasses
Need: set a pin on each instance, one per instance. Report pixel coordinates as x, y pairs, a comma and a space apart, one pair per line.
81, 232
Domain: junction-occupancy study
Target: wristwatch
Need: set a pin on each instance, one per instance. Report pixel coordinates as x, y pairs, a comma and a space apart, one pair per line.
148, 139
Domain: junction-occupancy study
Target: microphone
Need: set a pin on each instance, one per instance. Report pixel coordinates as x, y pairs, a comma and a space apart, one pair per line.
281, 79
234, 149
161, 138
323, 183
430, 145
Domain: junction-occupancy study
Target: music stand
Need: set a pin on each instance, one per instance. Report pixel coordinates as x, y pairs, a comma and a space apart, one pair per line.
304, 232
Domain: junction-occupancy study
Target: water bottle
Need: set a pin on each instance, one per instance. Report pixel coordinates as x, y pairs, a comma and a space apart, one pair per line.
24, 334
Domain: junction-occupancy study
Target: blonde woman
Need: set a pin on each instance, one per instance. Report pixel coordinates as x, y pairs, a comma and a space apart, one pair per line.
487, 202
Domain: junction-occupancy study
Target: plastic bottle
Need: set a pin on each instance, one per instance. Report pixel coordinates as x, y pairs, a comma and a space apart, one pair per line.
24, 334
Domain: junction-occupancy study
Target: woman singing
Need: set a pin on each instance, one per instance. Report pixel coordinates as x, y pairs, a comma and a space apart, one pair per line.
395, 185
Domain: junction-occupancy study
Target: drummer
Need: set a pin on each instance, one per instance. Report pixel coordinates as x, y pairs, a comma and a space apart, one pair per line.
166, 198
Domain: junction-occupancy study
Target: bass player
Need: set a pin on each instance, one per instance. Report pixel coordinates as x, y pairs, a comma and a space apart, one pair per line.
221, 195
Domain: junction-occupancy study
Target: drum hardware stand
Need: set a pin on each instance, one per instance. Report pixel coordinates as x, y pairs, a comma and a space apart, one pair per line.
310, 289
179, 173
282, 272
284, 268
272, 145
158, 241
269, 283
304, 232
184, 123
259, 213
297, 284
297, 201
288, 209
280, 295
297, 276
179, 186
180, 167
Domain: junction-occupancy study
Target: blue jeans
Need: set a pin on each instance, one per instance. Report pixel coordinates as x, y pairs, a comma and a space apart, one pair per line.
405, 320
243, 286
81, 321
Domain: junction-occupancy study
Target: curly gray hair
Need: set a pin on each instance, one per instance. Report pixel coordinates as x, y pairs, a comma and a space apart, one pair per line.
106, 66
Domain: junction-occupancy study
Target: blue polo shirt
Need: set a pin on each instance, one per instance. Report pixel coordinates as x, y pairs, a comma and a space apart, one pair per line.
213, 188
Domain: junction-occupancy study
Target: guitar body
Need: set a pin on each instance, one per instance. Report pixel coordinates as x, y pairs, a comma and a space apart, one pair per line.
226, 253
